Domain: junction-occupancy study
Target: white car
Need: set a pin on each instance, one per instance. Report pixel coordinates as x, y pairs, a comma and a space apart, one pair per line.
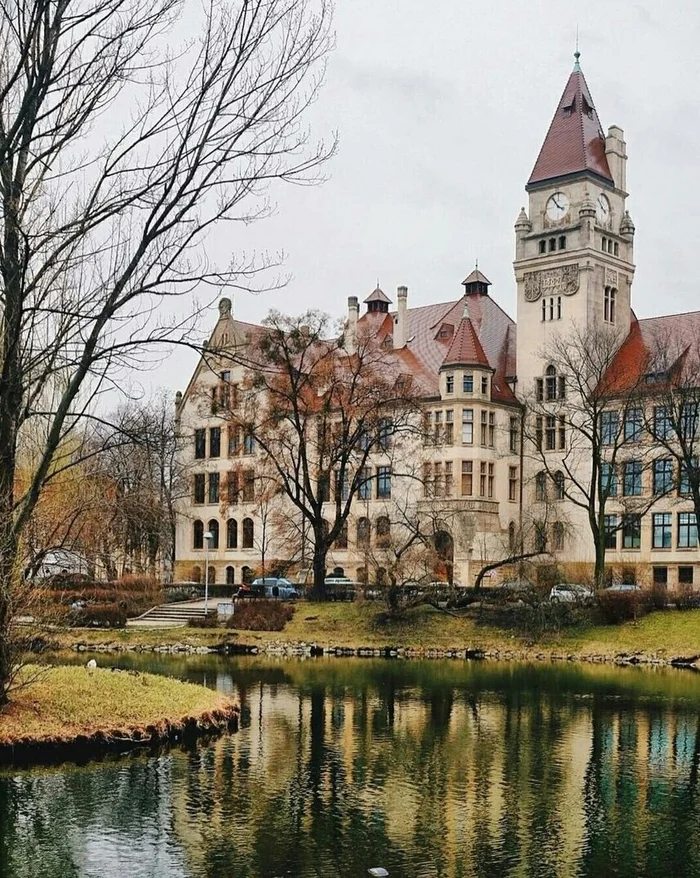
571, 593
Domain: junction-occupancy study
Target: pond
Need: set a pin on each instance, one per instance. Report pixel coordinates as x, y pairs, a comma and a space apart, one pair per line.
425, 768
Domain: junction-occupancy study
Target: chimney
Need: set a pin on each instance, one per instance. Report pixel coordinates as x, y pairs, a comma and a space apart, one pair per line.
351, 325
616, 153
401, 321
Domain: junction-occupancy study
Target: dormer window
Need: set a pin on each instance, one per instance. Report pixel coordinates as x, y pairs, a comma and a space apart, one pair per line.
571, 109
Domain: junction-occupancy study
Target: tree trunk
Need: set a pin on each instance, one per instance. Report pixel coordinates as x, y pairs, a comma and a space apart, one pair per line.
318, 592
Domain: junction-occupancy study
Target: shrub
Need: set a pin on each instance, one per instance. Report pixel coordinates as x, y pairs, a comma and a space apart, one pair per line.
620, 606
211, 620
99, 616
260, 615
685, 598
656, 597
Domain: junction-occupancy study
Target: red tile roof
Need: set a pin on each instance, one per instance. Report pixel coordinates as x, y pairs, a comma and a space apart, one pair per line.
466, 349
575, 141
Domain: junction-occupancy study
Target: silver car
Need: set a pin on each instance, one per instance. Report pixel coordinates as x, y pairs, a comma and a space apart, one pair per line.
571, 593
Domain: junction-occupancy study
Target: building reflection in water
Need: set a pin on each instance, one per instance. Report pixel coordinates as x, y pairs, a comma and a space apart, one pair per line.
430, 768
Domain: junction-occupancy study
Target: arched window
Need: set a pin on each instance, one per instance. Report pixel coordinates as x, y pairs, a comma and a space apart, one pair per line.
383, 531
198, 535
610, 305
230, 575
512, 537
381, 576
558, 536
540, 536
196, 573
541, 486
558, 480
562, 242
248, 533
232, 534
214, 531
363, 531
362, 575
543, 246
552, 245
246, 575
212, 574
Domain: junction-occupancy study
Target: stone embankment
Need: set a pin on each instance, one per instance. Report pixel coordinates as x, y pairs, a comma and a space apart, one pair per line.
312, 650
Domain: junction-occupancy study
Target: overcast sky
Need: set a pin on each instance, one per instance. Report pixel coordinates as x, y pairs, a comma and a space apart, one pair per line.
441, 108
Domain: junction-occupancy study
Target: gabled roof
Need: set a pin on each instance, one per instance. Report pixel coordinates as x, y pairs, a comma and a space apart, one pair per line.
575, 141
466, 349
377, 295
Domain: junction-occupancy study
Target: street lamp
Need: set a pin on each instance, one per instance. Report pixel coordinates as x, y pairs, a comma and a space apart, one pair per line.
208, 537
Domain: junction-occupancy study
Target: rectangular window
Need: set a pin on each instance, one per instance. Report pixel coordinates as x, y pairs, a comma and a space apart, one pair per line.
249, 486
633, 425
484, 384
687, 530
232, 487
449, 479
631, 531
248, 442
610, 305
467, 426
609, 422
437, 435
538, 433
632, 478
684, 481
427, 480
450, 383
482, 479
438, 483
611, 531
342, 488
513, 432
539, 389
562, 432
200, 444
685, 575
386, 428
512, 483
234, 440
492, 428
467, 383
663, 476
215, 442
484, 427
199, 487
364, 490
551, 433
449, 427
467, 478
689, 420
490, 480
660, 575
324, 488
427, 430
214, 487
661, 530
608, 479
662, 422
383, 482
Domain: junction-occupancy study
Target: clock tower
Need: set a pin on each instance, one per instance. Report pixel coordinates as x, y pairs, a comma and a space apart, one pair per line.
574, 244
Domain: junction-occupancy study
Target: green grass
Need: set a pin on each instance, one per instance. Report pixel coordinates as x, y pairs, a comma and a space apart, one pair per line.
666, 634
60, 703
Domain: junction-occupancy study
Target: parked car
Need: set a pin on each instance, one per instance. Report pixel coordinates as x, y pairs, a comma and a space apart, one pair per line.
571, 593
516, 585
277, 587
340, 588
624, 586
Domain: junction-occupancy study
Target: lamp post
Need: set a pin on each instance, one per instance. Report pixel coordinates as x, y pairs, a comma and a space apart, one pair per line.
208, 537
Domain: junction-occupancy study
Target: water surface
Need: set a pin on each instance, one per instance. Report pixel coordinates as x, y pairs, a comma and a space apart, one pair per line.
425, 768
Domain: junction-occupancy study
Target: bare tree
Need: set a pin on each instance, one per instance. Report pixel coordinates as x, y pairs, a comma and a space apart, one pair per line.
117, 157
583, 428
326, 419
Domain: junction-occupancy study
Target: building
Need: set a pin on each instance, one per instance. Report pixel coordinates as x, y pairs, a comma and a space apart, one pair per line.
574, 267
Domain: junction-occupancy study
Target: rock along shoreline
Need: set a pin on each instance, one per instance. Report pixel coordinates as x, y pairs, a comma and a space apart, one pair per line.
312, 650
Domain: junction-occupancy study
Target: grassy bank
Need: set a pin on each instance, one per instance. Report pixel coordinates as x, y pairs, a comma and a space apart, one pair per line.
74, 705
666, 634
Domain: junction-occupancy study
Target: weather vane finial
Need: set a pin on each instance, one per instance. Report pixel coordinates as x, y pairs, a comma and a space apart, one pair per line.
577, 55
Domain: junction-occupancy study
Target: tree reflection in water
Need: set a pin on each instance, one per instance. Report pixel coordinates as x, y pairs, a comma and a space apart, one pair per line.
426, 768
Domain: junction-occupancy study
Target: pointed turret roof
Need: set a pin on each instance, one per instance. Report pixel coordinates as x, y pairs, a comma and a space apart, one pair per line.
466, 349
575, 141
476, 277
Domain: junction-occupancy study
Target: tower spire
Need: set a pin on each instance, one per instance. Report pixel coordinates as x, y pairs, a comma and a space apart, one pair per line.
577, 55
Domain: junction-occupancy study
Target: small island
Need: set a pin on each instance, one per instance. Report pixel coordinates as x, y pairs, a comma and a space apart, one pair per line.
79, 712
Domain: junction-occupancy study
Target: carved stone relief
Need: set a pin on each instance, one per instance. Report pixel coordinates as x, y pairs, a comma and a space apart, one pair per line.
562, 281
610, 277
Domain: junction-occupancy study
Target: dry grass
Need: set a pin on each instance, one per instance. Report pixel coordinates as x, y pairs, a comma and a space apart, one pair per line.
66, 702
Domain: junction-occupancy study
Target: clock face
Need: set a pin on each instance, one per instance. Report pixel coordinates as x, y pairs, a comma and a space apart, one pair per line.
602, 210
557, 207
